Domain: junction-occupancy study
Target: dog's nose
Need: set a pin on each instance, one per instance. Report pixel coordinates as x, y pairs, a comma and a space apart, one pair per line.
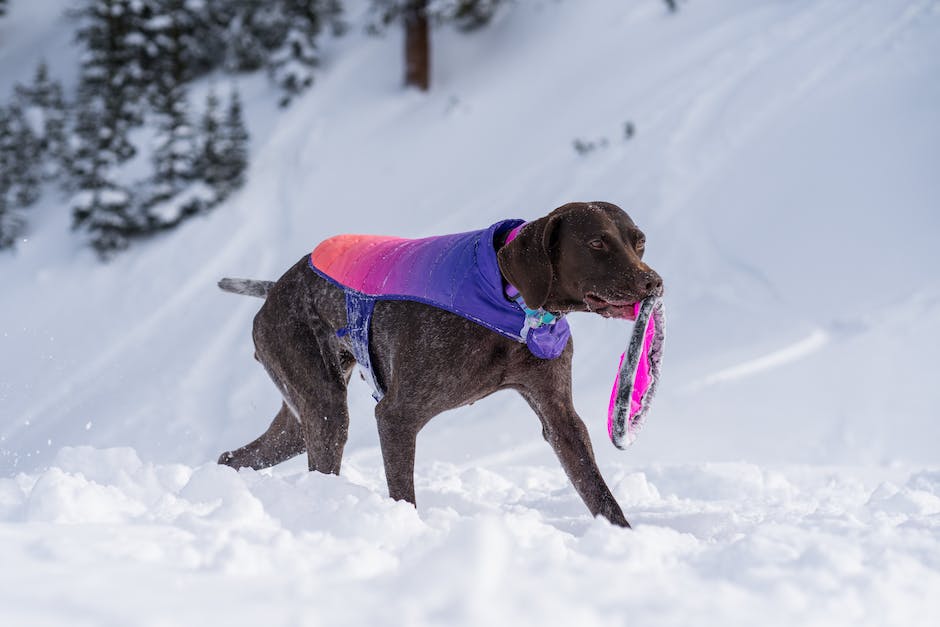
654, 284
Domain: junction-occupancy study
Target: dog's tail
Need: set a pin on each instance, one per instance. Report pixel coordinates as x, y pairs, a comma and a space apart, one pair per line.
247, 287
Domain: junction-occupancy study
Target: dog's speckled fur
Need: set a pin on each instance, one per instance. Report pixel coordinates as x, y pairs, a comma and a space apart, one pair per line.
556, 262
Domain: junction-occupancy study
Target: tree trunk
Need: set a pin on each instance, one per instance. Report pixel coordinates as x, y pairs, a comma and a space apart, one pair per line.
417, 45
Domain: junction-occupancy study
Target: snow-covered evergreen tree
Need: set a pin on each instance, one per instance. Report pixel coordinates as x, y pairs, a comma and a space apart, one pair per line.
292, 63
32, 137
253, 29
19, 171
223, 147
234, 147
11, 222
174, 161
210, 166
175, 150
416, 16
23, 153
112, 35
466, 15
223, 150
44, 105
174, 35
102, 207
212, 19
109, 104
279, 35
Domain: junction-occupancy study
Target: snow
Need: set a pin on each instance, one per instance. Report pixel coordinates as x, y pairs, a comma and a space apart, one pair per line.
727, 542
783, 167
196, 194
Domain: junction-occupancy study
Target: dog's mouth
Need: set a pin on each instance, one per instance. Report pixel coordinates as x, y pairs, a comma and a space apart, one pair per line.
610, 308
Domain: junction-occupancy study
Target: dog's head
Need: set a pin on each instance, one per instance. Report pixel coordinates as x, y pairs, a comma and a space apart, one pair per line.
581, 257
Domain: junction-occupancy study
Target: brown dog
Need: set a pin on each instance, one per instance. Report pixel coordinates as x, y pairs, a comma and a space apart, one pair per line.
580, 257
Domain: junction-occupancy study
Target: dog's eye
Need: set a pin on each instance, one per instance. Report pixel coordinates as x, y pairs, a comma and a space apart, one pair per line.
597, 244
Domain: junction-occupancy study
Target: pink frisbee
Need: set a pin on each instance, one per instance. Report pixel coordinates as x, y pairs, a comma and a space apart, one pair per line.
638, 375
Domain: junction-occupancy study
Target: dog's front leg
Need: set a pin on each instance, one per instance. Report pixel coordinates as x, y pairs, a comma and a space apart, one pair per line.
565, 431
397, 437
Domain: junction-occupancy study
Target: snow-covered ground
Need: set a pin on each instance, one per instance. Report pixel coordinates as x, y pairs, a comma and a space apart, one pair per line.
103, 538
784, 168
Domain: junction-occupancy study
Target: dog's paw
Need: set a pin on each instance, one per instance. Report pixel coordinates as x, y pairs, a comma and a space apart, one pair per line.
228, 459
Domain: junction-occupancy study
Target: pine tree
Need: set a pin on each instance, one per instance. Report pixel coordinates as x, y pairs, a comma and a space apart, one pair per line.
19, 171
223, 148
102, 206
240, 36
174, 156
26, 154
292, 63
417, 44
254, 28
176, 37
223, 154
44, 102
468, 15
112, 33
234, 147
109, 104
11, 223
279, 35
210, 166
3, 7
416, 16
33, 122
174, 162
211, 46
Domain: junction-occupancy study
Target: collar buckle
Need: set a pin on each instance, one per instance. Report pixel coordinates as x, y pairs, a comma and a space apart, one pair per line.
534, 318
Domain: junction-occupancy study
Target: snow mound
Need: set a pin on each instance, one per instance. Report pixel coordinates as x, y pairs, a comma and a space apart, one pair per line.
721, 541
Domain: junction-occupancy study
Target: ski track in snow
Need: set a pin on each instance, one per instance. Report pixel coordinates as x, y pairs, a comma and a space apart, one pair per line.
829, 35
789, 354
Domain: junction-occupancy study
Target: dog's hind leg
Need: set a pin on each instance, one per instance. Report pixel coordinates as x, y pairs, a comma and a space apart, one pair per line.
326, 427
283, 439
310, 367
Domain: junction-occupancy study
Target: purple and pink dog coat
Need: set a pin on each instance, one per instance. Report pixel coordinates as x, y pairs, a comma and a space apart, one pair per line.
458, 273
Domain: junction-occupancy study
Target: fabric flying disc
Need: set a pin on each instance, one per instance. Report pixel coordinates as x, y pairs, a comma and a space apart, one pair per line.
638, 374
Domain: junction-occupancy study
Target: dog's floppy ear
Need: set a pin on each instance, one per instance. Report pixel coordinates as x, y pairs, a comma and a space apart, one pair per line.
526, 261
